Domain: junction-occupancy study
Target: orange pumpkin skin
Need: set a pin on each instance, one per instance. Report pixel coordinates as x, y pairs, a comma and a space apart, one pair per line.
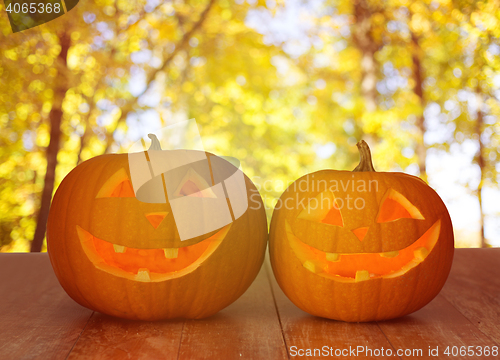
212, 282
340, 288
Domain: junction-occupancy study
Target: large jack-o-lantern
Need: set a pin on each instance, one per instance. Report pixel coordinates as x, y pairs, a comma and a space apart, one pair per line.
361, 245
117, 255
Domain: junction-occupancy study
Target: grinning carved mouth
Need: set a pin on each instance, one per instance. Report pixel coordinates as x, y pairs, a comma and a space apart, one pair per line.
148, 265
356, 267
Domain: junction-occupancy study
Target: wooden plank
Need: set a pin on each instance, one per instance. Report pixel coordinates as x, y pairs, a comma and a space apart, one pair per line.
247, 329
106, 337
474, 288
303, 331
37, 318
437, 325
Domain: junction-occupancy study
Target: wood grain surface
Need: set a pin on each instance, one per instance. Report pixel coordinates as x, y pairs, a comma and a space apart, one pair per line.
39, 321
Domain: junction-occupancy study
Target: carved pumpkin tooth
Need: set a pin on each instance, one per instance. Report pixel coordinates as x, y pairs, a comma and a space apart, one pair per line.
332, 257
362, 275
309, 265
389, 254
421, 253
119, 248
143, 275
171, 253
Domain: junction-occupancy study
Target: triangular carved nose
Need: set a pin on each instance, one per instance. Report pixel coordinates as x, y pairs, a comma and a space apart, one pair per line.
360, 233
156, 218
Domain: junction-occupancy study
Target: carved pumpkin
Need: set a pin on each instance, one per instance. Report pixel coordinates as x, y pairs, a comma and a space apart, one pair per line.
361, 245
117, 255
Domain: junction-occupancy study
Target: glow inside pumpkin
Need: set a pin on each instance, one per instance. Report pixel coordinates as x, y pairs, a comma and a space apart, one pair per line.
355, 267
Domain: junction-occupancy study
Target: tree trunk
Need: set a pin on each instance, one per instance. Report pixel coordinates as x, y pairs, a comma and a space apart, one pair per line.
363, 39
418, 89
55, 117
481, 162
83, 139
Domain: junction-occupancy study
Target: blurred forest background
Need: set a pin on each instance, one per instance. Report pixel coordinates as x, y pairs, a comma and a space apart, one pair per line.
288, 87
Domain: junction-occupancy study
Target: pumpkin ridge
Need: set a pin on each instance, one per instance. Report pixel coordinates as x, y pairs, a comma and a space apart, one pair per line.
81, 170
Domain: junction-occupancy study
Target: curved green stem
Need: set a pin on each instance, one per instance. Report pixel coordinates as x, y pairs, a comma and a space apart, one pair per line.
365, 163
155, 143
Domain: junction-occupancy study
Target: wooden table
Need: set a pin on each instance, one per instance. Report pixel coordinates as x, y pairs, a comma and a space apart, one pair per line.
39, 321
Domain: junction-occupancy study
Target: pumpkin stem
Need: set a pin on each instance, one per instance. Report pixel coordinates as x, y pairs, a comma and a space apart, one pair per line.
365, 163
155, 143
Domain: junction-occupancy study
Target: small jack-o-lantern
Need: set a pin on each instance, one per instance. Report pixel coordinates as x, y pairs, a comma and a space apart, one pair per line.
124, 257
361, 245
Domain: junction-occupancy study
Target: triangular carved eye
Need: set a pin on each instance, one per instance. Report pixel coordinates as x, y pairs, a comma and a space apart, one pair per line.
395, 206
189, 188
194, 185
323, 208
118, 185
334, 217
